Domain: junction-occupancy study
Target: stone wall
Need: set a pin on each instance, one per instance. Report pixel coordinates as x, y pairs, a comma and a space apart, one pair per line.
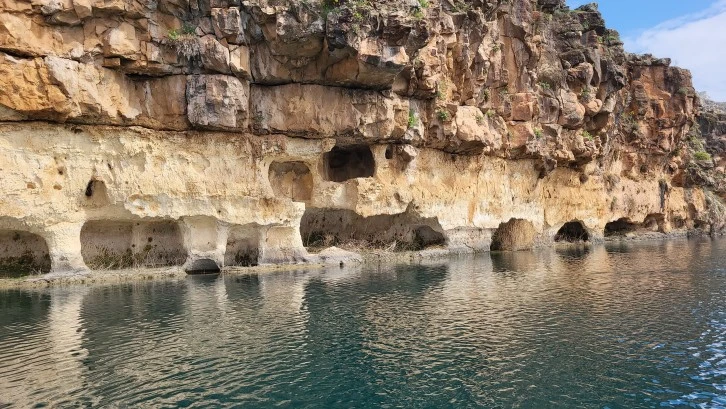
147, 133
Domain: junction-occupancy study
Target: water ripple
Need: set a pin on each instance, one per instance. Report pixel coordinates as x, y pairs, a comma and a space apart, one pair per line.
617, 326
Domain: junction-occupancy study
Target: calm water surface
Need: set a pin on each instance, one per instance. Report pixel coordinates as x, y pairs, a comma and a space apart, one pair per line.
616, 326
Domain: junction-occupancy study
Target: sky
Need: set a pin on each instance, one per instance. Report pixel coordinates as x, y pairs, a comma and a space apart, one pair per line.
690, 32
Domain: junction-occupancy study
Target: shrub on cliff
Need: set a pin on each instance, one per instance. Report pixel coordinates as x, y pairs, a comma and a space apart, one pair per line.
185, 41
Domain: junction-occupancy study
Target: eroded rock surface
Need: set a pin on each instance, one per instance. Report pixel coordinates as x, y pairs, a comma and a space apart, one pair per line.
236, 132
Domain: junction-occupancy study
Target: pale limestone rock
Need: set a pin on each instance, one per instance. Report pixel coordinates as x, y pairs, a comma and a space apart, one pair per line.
170, 177
121, 41
475, 130
25, 88
227, 24
26, 37
83, 8
523, 107
573, 113
336, 256
63, 89
239, 61
338, 112
217, 101
593, 106
370, 86
215, 56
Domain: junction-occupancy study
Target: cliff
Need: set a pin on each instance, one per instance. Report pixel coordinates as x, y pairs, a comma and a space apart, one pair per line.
234, 132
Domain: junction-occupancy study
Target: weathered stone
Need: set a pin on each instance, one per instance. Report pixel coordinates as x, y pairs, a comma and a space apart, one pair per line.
239, 61
215, 56
217, 102
339, 112
121, 42
83, 8
227, 23
493, 127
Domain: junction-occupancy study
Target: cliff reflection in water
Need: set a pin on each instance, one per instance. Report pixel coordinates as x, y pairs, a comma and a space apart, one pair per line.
635, 325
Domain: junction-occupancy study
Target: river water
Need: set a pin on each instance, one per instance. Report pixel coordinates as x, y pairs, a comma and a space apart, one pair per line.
609, 326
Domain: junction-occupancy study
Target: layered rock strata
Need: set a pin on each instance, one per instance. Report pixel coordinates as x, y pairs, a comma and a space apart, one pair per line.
212, 133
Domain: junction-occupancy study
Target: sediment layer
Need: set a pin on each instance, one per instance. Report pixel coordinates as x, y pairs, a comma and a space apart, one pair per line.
213, 133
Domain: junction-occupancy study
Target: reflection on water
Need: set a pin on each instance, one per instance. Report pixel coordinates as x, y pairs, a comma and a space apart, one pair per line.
615, 326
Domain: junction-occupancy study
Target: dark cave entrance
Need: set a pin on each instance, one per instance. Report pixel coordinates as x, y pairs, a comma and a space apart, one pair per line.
22, 253
243, 246
572, 232
620, 227
349, 162
344, 228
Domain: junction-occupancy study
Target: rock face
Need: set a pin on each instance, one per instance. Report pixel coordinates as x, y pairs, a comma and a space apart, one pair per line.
238, 132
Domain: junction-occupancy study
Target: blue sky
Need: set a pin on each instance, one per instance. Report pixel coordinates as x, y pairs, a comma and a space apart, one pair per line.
691, 32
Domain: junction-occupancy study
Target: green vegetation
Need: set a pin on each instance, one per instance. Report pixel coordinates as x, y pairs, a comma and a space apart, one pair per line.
586, 93
460, 6
412, 119
629, 121
612, 37
443, 115
185, 30
685, 91
418, 12
538, 133
185, 41
545, 85
588, 136
480, 119
702, 155
442, 89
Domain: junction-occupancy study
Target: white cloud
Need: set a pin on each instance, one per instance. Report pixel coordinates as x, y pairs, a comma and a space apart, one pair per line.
696, 42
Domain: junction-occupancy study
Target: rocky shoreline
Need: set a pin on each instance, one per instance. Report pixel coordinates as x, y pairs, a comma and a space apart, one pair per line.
336, 259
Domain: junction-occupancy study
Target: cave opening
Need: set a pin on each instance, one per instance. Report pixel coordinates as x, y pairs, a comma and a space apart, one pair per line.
203, 266
514, 235
620, 227
655, 222
23, 253
113, 245
348, 162
96, 194
572, 232
389, 152
291, 180
406, 231
243, 246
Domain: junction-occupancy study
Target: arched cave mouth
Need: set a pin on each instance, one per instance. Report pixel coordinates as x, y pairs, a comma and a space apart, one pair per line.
655, 222
23, 253
572, 232
620, 227
113, 244
406, 231
202, 266
348, 162
514, 235
96, 194
243, 246
291, 180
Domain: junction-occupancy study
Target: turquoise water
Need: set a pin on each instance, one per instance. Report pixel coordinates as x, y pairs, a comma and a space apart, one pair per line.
616, 326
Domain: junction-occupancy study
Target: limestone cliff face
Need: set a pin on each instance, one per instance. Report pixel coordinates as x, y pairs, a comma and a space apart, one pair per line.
236, 132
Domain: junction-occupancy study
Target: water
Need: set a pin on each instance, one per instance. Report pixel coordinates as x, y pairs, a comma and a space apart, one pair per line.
637, 326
